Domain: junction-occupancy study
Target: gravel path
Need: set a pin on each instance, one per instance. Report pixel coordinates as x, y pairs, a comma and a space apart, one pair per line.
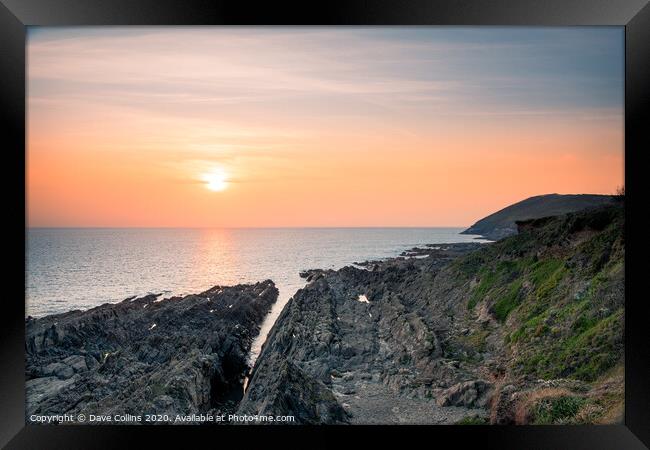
372, 403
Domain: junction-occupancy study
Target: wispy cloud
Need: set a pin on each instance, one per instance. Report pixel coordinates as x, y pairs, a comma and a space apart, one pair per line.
315, 106
211, 68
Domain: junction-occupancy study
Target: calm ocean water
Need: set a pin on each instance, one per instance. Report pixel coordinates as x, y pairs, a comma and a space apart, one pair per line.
81, 268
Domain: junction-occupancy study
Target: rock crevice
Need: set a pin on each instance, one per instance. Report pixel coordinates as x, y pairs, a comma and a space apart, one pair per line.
146, 355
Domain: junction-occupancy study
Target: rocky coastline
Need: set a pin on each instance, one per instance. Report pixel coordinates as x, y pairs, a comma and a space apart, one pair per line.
146, 355
354, 346
526, 330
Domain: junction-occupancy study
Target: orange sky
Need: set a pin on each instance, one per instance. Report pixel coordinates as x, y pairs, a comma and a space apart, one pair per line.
315, 127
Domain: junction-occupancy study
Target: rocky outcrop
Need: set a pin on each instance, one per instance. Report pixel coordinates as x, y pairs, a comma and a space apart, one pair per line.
288, 390
363, 346
457, 333
145, 355
469, 394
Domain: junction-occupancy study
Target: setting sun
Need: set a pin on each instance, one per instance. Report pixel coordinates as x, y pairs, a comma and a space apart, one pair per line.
308, 225
216, 180
291, 127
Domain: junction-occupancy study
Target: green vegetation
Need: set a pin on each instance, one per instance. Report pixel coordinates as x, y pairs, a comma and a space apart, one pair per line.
470, 265
476, 340
541, 271
492, 280
596, 349
508, 302
504, 283
583, 323
572, 338
559, 410
472, 420
488, 280
557, 292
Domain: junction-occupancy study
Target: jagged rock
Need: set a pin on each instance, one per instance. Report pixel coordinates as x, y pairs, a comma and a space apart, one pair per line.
288, 390
503, 407
144, 355
354, 331
469, 394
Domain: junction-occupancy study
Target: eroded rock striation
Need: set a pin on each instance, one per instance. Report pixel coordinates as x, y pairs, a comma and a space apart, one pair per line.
146, 355
364, 346
525, 330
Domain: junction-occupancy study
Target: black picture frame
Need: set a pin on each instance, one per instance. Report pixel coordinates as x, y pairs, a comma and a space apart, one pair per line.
16, 15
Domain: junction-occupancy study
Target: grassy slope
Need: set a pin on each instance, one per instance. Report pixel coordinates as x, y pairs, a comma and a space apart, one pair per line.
555, 293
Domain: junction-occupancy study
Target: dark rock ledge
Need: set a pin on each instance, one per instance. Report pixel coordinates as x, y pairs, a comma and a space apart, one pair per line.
362, 345
145, 355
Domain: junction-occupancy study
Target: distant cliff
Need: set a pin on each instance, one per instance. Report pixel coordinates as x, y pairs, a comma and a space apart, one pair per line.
503, 223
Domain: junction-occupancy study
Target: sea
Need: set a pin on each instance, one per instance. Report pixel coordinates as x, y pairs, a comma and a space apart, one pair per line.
79, 268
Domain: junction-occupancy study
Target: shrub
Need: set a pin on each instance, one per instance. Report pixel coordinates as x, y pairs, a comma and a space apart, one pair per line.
472, 420
556, 410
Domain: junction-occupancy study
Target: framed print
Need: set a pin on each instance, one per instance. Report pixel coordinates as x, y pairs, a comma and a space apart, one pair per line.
292, 222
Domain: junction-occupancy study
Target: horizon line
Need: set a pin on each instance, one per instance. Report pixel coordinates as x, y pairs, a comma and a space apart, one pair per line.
235, 228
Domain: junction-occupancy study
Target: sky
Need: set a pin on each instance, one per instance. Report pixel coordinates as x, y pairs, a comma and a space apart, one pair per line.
316, 126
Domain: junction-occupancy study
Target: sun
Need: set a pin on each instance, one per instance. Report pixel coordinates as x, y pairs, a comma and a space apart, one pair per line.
216, 180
